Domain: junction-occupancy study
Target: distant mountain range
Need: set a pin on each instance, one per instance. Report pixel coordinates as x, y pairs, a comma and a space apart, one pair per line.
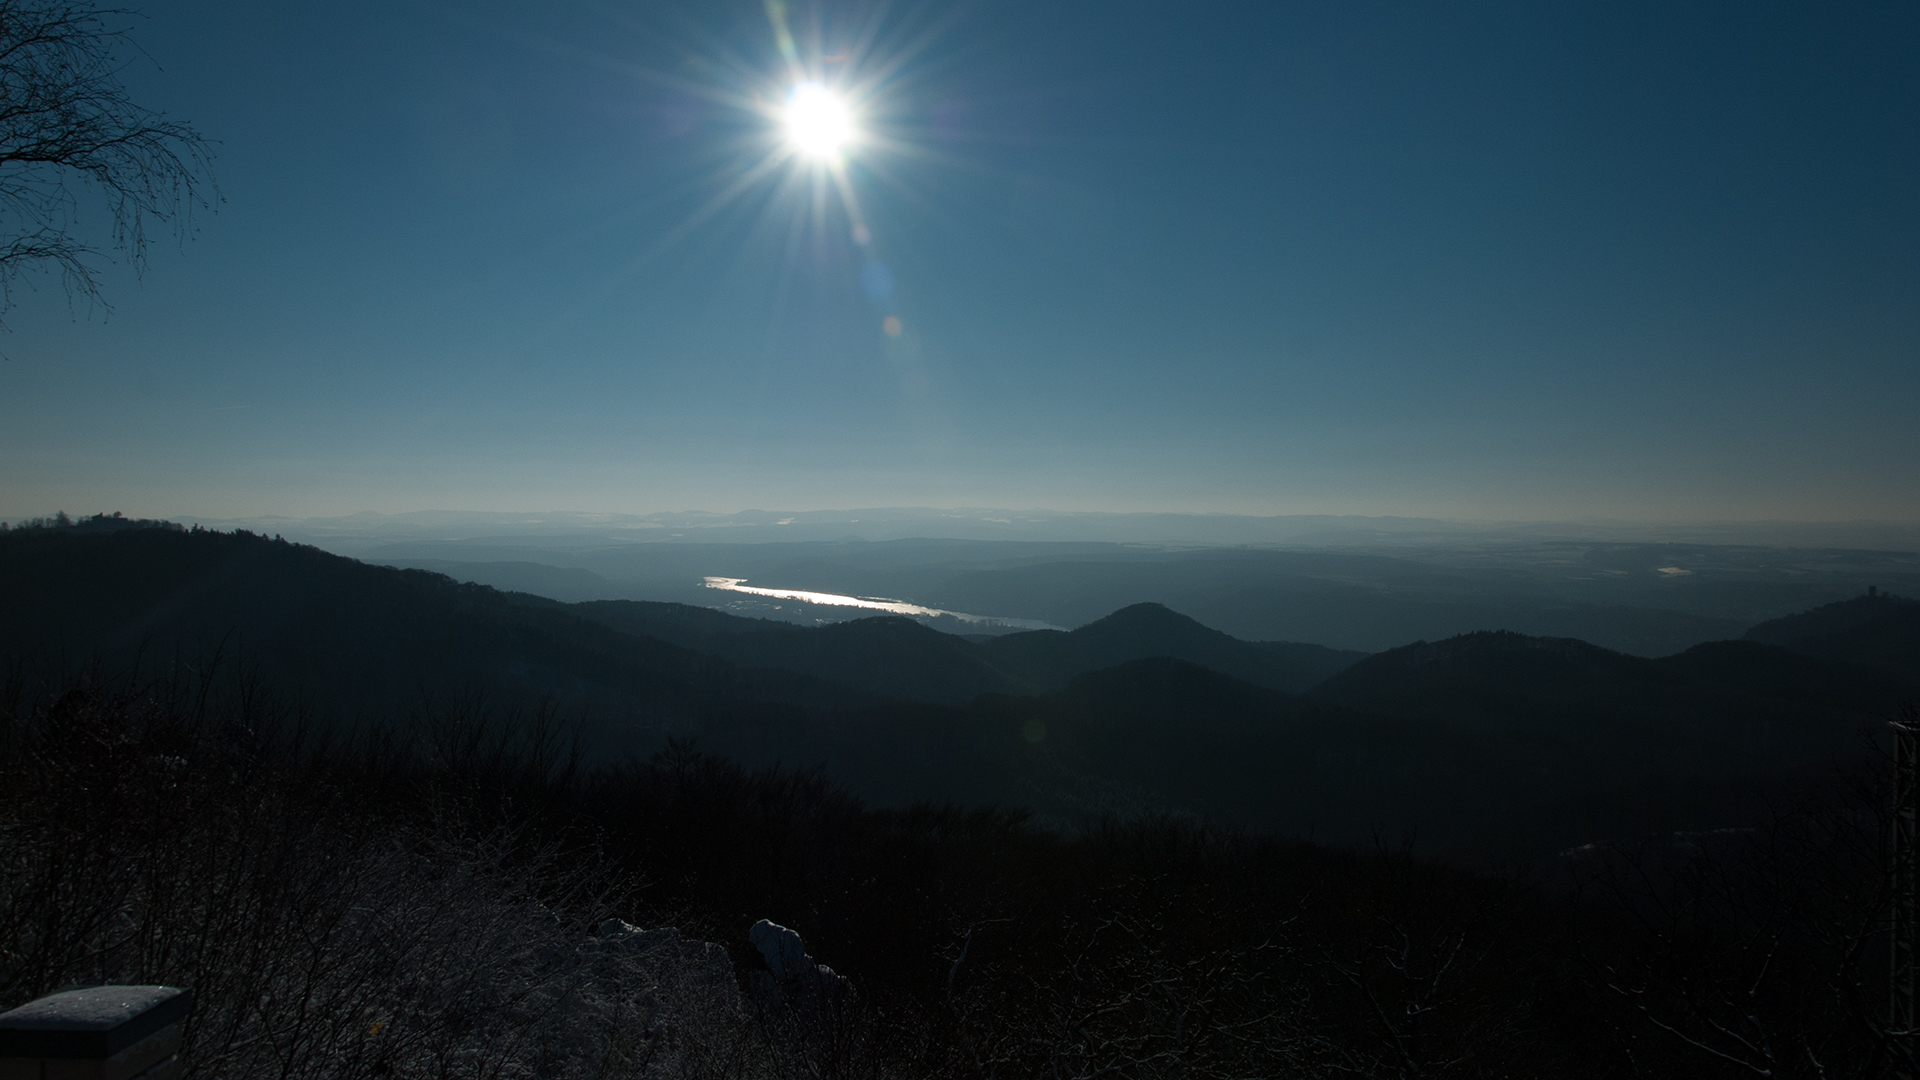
1646, 599
356, 532
1487, 745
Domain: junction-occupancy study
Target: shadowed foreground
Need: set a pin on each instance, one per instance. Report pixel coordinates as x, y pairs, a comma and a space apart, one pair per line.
433, 900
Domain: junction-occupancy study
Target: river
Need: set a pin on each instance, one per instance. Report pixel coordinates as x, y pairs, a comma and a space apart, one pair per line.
873, 603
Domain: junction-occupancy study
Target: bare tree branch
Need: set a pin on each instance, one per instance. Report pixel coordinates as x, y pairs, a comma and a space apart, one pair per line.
70, 134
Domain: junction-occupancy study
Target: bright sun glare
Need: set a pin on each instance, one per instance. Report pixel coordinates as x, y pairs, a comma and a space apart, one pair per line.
818, 122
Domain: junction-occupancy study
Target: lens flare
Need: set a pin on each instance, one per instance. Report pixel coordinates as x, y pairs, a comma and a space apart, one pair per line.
819, 124
798, 143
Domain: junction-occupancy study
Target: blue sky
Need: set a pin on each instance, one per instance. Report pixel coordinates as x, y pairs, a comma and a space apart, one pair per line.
1479, 261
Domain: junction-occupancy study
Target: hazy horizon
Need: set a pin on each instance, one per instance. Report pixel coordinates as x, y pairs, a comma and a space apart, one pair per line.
350, 533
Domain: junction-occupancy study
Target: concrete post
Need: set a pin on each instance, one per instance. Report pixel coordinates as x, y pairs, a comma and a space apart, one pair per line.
99, 1033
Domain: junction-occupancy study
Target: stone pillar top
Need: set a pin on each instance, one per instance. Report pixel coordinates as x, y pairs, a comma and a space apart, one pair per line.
95, 1022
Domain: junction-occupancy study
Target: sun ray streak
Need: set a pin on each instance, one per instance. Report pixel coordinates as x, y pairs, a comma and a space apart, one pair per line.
838, 171
888, 70
783, 38
719, 202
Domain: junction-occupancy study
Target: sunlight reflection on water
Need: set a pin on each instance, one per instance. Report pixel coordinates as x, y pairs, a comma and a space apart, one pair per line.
873, 603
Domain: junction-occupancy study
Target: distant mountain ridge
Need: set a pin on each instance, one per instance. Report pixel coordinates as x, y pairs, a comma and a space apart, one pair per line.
1649, 600
881, 523
900, 657
1050, 658
1483, 745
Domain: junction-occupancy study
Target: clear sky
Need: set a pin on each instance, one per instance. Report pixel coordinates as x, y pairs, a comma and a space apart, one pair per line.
1479, 260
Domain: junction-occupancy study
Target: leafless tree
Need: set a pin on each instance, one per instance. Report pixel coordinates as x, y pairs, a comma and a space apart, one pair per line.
1761, 951
69, 133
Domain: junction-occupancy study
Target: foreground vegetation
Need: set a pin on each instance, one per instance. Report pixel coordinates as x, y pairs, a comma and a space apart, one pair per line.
421, 898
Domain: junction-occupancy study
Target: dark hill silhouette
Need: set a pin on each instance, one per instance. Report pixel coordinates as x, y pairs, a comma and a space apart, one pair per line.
345, 634
1723, 707
1159, 736
1482, 743
1048, 659
1205, 699
889, 654
519, 576
1491, 677
1164, 734
1877, 629
902, 658
684, 625
1490, 744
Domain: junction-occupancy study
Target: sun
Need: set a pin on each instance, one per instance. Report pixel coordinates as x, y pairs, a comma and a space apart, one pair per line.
807, 135
819, 124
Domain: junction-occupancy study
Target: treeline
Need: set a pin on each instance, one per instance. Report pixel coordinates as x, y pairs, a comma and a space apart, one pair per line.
98, 523
415, 899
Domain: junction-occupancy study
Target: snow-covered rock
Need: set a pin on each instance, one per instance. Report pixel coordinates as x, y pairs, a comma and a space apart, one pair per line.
792, 976
634, 1002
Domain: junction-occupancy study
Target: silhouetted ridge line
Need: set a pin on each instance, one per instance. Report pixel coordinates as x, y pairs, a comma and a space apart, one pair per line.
98, 523
355, 637
1878, 629
1050, 658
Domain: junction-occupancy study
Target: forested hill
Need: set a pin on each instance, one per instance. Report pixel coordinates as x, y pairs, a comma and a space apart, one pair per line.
1488, 745
350, 637
1757, 697
1876, 629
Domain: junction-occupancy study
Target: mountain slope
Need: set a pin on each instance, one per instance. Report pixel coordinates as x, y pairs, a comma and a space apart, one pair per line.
564, 584
1480, 745
1723, 706
887, 654
348, 635
1876, 629
684, 625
